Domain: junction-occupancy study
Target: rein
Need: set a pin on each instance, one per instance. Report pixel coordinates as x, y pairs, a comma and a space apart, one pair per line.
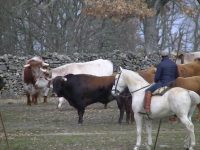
116, 91
140, 88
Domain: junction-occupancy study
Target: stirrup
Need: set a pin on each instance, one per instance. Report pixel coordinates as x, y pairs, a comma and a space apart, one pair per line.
148, 114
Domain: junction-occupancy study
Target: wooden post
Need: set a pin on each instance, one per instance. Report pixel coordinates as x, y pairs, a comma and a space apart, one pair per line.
4, 132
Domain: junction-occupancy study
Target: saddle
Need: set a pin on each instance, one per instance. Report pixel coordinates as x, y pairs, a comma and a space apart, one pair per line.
161, 91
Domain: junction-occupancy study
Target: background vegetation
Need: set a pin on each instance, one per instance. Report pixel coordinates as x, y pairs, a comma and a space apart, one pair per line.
68, 26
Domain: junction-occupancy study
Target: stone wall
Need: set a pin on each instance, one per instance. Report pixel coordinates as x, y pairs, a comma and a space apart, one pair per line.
11, 66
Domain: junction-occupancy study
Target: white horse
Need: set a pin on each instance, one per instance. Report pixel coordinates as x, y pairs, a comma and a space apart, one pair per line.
177, 101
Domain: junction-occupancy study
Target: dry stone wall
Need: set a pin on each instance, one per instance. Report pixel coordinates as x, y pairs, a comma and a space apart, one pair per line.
11, 67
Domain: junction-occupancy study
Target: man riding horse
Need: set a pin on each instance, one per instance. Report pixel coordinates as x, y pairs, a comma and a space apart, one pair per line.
166, 72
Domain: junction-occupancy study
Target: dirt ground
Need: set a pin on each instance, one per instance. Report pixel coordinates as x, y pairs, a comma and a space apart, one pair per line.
43, 127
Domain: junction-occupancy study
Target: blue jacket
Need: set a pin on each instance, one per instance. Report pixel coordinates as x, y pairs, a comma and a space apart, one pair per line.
167, 71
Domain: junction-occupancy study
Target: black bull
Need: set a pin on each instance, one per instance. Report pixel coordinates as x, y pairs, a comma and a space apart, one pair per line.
82, 90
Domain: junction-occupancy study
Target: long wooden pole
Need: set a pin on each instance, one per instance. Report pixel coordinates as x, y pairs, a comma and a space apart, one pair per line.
5, 132
158, 131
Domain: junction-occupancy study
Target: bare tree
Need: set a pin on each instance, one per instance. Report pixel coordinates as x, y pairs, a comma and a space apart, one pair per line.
38, 26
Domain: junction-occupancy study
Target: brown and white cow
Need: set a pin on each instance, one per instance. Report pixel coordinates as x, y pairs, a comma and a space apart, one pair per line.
190, 69
99, 67
32, 72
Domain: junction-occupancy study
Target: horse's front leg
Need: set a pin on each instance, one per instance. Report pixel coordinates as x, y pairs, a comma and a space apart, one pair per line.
148, 123
138, 121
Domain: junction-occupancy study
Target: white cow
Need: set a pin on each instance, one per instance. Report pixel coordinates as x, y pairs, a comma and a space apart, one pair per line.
99, 67
184, 58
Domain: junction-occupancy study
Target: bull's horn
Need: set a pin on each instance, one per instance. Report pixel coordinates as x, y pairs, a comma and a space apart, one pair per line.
43, 70
49, 79
27, 65
45, 64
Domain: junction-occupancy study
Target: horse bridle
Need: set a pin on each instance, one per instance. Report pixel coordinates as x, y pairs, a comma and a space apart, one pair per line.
117, 91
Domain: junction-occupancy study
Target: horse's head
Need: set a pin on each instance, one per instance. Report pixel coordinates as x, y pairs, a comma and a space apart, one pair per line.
119, 84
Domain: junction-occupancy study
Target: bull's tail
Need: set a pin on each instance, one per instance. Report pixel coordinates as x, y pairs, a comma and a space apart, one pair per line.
194, 97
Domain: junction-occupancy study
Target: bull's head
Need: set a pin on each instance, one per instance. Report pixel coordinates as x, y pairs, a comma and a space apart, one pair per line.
45, 80
35, 64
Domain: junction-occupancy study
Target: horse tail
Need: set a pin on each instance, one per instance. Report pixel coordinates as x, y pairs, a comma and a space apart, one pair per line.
194, 97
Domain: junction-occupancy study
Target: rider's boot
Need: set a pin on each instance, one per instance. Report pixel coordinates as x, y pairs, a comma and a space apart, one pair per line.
147, 99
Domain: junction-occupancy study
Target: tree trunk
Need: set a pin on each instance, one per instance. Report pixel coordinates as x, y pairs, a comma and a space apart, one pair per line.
150, 26
150, 35
196, 36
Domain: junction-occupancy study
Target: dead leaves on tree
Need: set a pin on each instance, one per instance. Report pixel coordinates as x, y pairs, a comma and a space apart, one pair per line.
117, 9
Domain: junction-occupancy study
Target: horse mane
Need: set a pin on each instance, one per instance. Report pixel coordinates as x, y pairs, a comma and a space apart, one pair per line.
132, 74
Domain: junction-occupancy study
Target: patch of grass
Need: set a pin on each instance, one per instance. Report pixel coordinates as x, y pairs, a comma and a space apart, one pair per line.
43, 127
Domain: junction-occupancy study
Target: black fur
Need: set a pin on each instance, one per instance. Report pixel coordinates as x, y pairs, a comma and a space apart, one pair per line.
2, 83
82, 90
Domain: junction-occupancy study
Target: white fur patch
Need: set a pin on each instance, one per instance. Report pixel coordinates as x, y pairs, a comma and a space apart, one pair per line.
65, 79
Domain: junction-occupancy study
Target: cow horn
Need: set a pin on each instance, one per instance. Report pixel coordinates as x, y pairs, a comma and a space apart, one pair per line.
49, 79
27, 65
49, 73
44, 64
43, 70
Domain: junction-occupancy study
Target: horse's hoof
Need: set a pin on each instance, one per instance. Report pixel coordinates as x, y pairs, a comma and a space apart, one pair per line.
191, 148
136, 148
148, 147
